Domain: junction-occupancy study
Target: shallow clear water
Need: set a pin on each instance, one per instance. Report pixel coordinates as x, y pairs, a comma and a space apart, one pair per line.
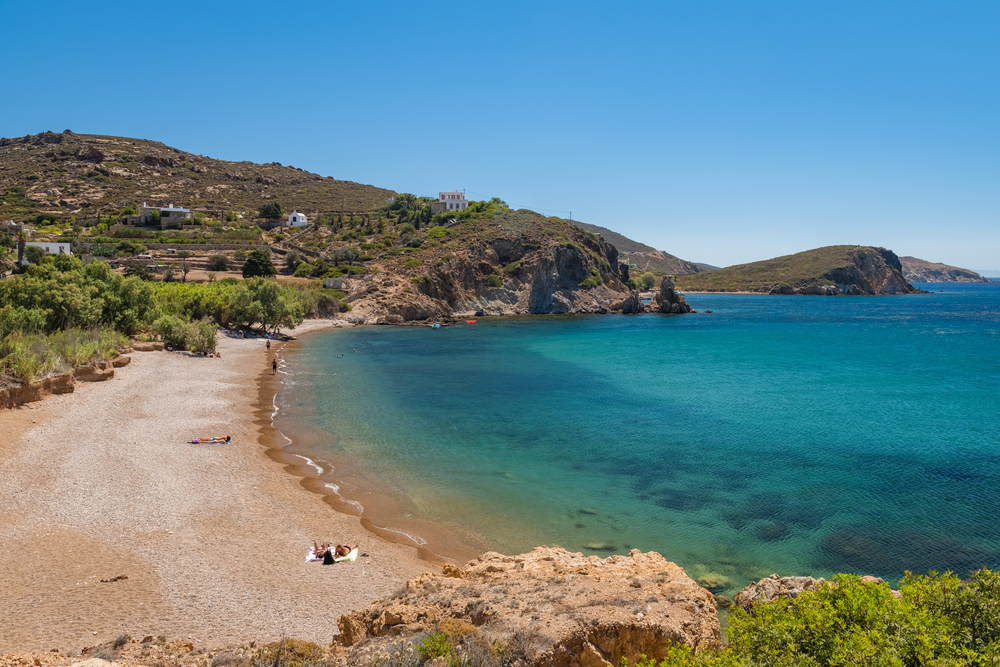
799, 435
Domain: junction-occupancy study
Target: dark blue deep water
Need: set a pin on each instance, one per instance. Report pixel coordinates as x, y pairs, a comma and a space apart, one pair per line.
799, 435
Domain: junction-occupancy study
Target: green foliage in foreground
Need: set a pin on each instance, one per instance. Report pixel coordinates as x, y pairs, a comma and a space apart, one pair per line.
26, 358
939, 620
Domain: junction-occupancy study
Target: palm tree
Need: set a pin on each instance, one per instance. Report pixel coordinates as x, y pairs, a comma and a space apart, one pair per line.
22, 241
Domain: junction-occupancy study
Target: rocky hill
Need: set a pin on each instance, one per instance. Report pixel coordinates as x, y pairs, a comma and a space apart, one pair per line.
829, 271
645, 258
921, 271
63, 175
494, 261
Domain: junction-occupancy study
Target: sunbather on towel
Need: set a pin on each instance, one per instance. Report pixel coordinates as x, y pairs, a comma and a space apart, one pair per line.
212, 441
343, 549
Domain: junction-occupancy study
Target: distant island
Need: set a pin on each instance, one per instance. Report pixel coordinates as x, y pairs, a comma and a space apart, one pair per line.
921, 271
828, 271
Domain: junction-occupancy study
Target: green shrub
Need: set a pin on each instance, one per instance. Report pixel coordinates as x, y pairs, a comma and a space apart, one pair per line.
412, 263
171, 331
258, 264
437, 232
938, 620
493, 280
303, 270
34, 254
433, 646
198, 336
103, 250
218, 263
289, 653
593, 281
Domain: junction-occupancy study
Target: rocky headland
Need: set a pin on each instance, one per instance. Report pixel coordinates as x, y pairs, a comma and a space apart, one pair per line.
829, 271
541, 266
921, 271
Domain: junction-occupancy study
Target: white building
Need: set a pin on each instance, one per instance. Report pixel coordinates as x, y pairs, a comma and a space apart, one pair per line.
453, 201
49, 248
169, 215
296, 219
52, 248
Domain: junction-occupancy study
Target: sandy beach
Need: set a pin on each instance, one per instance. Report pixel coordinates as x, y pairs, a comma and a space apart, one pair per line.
104, 483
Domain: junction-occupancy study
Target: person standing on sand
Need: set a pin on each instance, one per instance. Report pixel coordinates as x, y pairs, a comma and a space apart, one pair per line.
274, 366
268, 345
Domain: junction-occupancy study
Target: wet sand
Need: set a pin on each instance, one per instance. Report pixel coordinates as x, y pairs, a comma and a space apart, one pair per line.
212, 538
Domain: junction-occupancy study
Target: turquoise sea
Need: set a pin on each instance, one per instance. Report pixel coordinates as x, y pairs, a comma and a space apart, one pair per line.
798, 435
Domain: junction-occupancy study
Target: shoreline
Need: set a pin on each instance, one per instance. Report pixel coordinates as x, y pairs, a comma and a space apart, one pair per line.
342, 482
211, 540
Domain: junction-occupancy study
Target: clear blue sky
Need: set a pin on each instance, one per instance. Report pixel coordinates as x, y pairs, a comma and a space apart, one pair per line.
722, 132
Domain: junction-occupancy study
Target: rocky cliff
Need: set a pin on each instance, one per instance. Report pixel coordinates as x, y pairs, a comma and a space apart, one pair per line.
829, 271
921, 271
538, 266
560, 609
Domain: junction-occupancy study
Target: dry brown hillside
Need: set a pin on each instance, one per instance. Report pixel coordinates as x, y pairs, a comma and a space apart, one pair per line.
63, 175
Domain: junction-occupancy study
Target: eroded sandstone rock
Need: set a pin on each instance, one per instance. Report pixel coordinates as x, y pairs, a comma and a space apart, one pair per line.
95, 372
584, 610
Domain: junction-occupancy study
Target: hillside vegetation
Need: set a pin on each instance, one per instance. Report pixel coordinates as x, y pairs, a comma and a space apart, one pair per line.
58, 176
410, 264
645, 258
832, 270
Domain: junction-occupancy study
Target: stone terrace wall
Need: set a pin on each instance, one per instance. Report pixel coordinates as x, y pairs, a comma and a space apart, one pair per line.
210, 247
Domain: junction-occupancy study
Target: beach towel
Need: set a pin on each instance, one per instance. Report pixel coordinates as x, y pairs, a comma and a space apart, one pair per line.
311, 557
351, 557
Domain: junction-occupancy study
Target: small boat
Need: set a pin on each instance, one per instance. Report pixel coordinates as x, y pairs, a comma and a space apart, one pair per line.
470, 321
435, 326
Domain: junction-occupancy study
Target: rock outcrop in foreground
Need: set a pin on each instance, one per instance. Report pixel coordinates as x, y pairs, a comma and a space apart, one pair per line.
921, 271
580, 610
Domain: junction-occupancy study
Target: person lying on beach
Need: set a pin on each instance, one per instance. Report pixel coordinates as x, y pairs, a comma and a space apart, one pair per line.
212, 441
343, 550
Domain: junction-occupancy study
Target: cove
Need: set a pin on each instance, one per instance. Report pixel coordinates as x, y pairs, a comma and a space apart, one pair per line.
798, 435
